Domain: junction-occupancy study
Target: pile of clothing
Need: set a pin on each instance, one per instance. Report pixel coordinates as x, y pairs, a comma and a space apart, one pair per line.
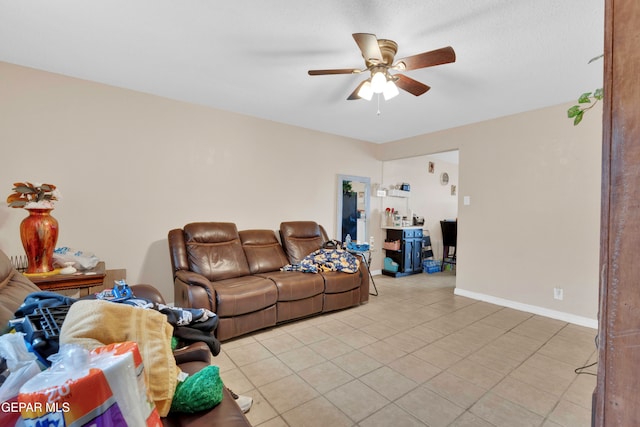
189, 324
157, 329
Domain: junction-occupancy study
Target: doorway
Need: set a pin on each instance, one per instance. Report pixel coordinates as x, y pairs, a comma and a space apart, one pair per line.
353, 197
433, 180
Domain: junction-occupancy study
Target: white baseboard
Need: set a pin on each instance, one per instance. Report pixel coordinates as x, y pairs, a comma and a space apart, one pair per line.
376, 272
558, 315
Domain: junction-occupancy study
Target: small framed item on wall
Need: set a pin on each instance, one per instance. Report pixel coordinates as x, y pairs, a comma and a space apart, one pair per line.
453, 190
432, 167
444, 178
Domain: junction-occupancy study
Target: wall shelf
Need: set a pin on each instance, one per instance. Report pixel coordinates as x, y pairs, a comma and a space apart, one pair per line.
398, 193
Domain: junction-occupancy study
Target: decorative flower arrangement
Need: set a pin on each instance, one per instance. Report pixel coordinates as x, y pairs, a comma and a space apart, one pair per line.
33, 196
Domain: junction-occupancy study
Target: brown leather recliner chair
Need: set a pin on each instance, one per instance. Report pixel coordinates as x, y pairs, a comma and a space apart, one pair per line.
299, 239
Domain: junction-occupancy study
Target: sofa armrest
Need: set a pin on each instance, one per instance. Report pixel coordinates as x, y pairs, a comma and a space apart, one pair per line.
226, 414
147, 292
196, 352
193, 290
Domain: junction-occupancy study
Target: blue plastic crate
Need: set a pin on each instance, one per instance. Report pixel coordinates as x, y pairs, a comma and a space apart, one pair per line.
431, 266
354, 247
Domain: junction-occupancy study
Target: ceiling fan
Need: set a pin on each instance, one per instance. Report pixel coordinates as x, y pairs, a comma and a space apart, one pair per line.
378, 57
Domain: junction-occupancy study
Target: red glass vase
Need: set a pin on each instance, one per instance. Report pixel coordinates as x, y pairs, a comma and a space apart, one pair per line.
39, 234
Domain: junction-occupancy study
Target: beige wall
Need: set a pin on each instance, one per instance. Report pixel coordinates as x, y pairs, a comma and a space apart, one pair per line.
533, 222
132, 166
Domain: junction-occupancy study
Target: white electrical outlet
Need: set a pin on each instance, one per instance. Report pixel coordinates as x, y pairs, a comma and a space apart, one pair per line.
558, 293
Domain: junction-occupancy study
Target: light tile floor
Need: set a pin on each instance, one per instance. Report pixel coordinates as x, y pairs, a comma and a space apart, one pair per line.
416, 355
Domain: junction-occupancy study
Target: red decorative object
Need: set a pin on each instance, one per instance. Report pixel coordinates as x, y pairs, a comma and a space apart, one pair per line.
39, 234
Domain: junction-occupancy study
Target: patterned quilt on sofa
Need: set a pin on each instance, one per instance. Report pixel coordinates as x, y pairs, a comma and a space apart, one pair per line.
326, 260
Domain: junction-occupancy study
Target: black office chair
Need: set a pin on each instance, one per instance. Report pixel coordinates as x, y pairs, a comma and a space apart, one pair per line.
449, 238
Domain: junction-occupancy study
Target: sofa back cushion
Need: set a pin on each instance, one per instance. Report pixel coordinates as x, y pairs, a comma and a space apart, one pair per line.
263, 251
300, 238
214, 250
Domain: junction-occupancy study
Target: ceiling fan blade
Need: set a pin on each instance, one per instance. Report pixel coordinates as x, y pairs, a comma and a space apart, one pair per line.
368, 44
414, 87
335, 71
444, 55
354, 94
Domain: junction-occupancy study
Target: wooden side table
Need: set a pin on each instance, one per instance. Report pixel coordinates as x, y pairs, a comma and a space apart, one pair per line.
81, 281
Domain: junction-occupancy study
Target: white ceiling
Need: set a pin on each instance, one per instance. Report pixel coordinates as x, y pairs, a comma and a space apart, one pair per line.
252, 56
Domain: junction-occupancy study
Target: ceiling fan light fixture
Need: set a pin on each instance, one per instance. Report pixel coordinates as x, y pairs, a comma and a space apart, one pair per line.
366, 91
379, 57
378, 82
390, 90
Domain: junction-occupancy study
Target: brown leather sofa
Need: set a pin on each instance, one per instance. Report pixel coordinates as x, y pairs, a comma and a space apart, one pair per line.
14, 287
237, 275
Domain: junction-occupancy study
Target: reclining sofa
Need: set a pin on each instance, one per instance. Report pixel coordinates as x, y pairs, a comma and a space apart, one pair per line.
237, 274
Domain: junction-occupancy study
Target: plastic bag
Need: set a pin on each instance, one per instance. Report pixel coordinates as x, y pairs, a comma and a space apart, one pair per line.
103, 387
81, 260
22, 366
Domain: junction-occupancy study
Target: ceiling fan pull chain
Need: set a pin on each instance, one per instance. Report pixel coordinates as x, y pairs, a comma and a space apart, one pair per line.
378, 113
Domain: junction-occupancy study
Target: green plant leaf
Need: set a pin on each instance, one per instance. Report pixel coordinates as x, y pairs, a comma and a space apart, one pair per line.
578, 118
584, 98
596, 58
598, 94
573, 111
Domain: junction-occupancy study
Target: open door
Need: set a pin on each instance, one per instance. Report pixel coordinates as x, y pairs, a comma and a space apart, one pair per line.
353, 194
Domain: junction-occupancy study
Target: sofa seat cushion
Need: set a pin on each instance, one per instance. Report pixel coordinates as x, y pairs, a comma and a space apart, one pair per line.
294, 285
242, 295
336, 281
